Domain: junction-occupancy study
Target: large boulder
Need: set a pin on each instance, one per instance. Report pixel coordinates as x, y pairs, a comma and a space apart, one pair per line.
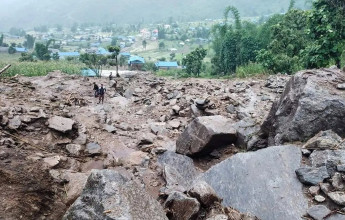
310, 104
178, 170
180, 206
109, 195
205, 134
262, 183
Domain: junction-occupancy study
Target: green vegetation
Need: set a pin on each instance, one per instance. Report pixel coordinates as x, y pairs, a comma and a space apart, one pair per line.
41, 68
193, 61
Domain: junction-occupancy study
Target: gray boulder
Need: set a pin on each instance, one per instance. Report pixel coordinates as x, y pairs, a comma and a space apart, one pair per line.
309, 104
327, 157
336, 216
181, 207
93, 149
178, 170
205, 134
312, 175
247, 128
318, 212
61, 124
14, 123
252, 182
204, 193
109, 195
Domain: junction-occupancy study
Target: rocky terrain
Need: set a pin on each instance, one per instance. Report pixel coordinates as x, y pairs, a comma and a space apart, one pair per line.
161, 148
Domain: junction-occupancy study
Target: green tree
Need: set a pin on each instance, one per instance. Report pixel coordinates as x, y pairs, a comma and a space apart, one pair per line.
12, 49
115, 50
172, 56
193, 61
161, 45
94, 62
42, 51
327, 32
30, 41
1, 39
56, 56
26, 57
161, 32
144, 43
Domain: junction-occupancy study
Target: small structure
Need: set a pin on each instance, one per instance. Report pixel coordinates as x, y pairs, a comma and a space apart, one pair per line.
162, 65
102, 51
125, 54
21, 50
63, 55
136, 62
88, 72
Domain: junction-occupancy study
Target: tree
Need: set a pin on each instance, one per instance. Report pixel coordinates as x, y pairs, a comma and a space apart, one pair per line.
26, 57
30, 41
42, 51
12, 49
56, 56
161, 45
144, 44
327, 32
172, 56
1, 39
193, 61
115, 50
94, 62
161, 32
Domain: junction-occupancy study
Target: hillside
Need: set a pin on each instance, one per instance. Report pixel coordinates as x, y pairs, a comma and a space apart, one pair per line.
16, 13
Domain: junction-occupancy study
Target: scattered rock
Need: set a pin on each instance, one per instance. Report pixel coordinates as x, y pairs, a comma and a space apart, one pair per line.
52, 161
318, 212
174, 124
324, 140
341, 86
204, 193
93, 149
325, 187
337, 197
205, 134
314, 190
74, 149
109, 195
338, 182
319, 198
110, 128
181, 207
237, 179
336, 216
61, 124
14, 123
312, 175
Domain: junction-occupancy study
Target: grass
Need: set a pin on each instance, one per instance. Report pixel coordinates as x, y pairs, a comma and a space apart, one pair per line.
41, 68
250, 70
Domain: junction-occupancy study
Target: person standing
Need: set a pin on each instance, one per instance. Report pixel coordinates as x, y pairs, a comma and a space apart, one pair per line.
111, 76
95, 88
101, 93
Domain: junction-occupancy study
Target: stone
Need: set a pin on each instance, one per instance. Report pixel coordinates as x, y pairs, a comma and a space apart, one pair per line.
147, 138
341, 86
93, 149
74, 149
309, 104
314, 190
61, 124
75, 185
204, 193
318, 212
3, 155
324, 140
338, 182
218, 217
322, 158
176, 109
81, 139
14, 123
52, 161
109, 195
158, 128
137, 158
312, 175
110, 128
181, 207
179, 171
341, 168
306, 152
336, 216
337, 197
204, 134
272, 170
231, 109
325, 187
195, 111
319, 198
174, 124
246, 129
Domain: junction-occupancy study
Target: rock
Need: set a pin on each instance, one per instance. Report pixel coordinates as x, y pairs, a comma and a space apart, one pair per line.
314, 190
246, 130
147, 138
336, 216
337, 197
341, 168
341, 86
110, 128
204, 134
3, 155
312, 175
306, 152
181, 207
218, 217
61, 124
318, 212
272, 170
158, 128
325, 187
176, 109
319, 198
179, 171
81, 139
322, 158
14, 123
75, 185
324, 140
52, 161
337, 181
137, 158
109, 195
195, 111
74, 149
309, 104
174, 124
231, 109
204, 193
93, 149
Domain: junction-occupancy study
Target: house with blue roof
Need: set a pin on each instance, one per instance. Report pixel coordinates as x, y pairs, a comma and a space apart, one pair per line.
125, 54
21, 50
102, 51
63, 55
136, 62
166, 65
